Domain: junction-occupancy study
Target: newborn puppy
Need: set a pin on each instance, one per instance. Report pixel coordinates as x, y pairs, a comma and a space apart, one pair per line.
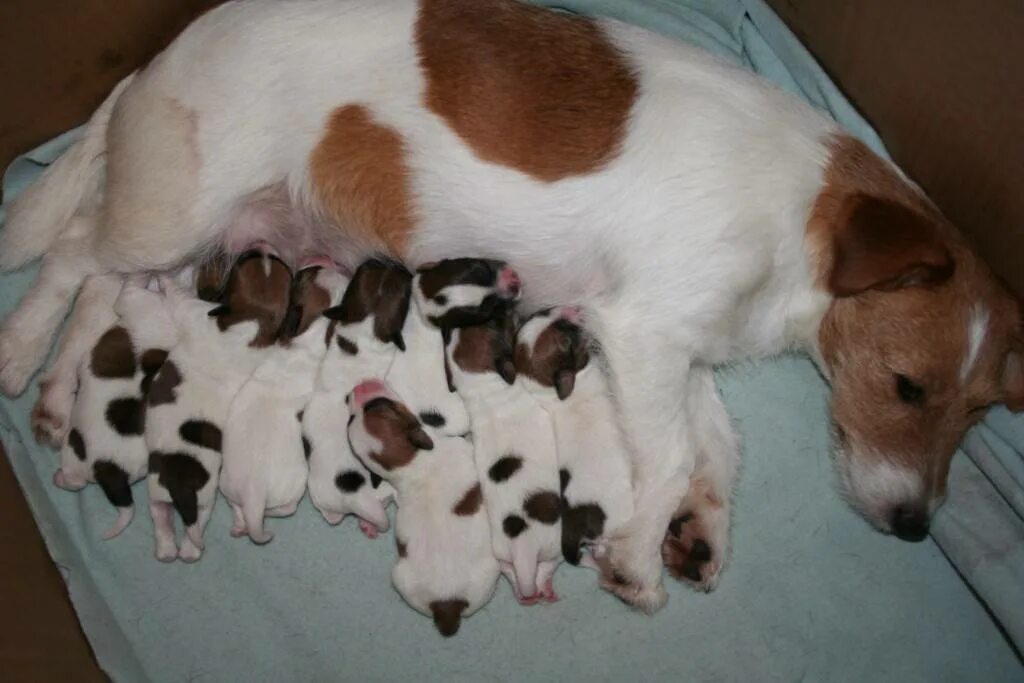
218, 348
556, 365
105, 443
514, 447
264, 469
446, 294
364, 333
445, 566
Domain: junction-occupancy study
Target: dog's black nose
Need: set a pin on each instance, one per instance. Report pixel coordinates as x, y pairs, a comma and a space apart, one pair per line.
909, 524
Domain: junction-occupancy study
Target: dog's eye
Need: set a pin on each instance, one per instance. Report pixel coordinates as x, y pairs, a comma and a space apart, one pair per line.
909, 392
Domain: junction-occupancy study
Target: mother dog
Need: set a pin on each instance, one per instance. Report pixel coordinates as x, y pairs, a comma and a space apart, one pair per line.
700, 215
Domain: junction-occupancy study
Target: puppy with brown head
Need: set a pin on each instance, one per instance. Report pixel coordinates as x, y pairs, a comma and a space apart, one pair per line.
264, 467
218, 349
361, 341
514, 449
556, 362
445, 566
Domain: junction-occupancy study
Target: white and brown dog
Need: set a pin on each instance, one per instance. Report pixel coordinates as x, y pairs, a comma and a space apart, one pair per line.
105, 443
362, 338
264, 469
514, 446
558, 364
700, 215
219, 347
445, 566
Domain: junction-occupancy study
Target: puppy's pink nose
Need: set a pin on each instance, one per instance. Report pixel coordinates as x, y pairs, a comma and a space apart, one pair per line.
509, 282
317, 260
367, 391
573, 314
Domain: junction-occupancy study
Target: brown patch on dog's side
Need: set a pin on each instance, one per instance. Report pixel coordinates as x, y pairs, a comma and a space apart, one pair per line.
361, 180
201, 433
544, 93
126, 416
257, 290
470, 503
448, 615
77, 444
162, 389
403, 549
113, 357
543, 506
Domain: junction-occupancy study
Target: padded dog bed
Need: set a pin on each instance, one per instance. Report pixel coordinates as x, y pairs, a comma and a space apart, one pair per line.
811, 593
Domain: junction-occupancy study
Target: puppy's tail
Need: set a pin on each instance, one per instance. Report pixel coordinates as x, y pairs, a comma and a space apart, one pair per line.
524, 561
41, 213
252, 511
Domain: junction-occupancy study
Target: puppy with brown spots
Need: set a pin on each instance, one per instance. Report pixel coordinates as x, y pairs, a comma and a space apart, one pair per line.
557, 365
514, 445
445, 569
105, 443
264, 468
219, 347
445, 295
364, 334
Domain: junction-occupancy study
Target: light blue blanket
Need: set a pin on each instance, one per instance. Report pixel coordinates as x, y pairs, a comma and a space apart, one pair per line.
811, 594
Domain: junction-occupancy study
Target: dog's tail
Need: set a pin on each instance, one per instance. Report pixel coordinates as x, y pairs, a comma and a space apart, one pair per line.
41, 213
524, 561
253, 508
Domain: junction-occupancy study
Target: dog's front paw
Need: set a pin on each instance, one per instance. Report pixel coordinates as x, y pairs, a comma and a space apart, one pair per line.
20, 356
631, 571
51, 415
696, 544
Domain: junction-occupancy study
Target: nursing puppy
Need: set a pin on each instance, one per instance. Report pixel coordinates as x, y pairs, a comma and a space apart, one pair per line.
105, 443
445, 567
556, 363
219, 347
361, 339
445, 295
264, 468
514, 446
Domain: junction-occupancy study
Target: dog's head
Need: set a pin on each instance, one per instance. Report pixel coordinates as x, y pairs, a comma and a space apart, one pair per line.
313, 288
384, 434
464, 291
551, 349
919, 341
488, 347
256, 290
377, 297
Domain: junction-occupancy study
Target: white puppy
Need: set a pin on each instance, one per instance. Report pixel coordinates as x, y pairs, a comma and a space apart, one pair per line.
264, 468
362, 338
445, 566
515, 455
556, 364
105, 443
218, 349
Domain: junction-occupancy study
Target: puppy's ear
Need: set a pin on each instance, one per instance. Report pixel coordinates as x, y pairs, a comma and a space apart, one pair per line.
506, 368
333, 313
392, 306
219, 311
291, 322
419, 438
399, 341
565, 382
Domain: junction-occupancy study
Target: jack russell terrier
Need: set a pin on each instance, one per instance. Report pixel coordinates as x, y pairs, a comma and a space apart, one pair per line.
445, 566
264, 468
219, 347
701, 216
556, 363
514, 446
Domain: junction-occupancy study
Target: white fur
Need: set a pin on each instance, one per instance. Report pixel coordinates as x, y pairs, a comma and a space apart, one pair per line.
506, 420
264, 469
871, 486
705, 206
977, 329
325, 425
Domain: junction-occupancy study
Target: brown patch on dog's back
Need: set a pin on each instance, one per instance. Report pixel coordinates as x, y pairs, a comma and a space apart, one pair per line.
543, 506
403, 549
470, 503
361, 180
77, 444
544, 93
126, 416
201, 433
113, 357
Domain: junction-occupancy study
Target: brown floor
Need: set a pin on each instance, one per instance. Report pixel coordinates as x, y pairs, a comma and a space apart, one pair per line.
40, 639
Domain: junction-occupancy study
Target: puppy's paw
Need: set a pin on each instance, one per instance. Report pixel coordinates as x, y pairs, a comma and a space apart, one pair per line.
189, 552
166, 552
696, 545
369, 529
20, 356
51, 415
238, 532
631, 571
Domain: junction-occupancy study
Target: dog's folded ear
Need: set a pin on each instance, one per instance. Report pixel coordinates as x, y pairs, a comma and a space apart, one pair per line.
565, 382
334, 313
883, 245
399, 341
506, 368
291, 322
219, 311
419, 438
